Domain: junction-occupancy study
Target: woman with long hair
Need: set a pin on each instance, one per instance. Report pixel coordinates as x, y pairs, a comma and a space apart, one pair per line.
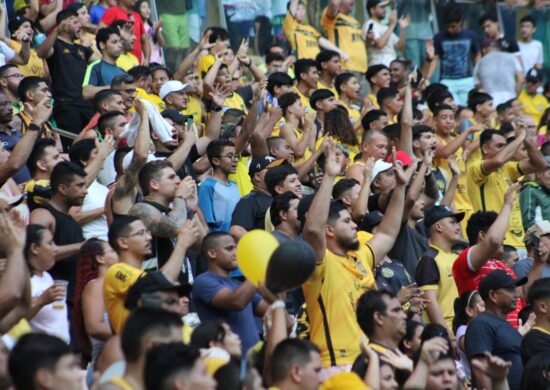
90, 318
338, 126
467, 307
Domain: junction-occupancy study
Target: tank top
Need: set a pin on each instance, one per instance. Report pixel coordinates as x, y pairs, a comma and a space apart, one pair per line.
67, 231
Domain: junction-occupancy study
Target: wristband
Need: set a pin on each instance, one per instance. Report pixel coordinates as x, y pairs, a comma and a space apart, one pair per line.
33, 127
278, 304
249, 64
217, 108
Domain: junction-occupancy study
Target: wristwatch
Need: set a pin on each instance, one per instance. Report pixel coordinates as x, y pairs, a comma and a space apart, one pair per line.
33, 127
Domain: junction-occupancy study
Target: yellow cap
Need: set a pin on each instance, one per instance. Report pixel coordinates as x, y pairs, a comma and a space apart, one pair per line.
18, 5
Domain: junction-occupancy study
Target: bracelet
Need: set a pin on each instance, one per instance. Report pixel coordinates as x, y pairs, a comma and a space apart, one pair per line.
278, 304
33, 127
217, 108
249, 64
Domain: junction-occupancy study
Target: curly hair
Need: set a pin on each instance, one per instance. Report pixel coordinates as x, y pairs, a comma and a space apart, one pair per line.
87, 270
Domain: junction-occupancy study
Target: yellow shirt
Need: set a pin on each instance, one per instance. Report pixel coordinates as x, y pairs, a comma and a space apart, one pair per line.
487, 193
35, 66
304, 99
151, 97
435, 272
461, 200
303, 38
307, 152
331, 88
241, 177
533, 106
353, 112
121, 383
373, 100
118, 280
205, 62
93, 46
352, 149
331, 295
194, 109
234, 101
345, 32
127, 61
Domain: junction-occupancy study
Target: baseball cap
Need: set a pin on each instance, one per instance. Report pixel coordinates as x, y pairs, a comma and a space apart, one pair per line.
437, 213
537, 230
379, 167
11, 200
534, 75
152, 282
344, 381
401, 156
374, 3
174, 115
16, 22
498, 279
262, 162
18, 5
172, 86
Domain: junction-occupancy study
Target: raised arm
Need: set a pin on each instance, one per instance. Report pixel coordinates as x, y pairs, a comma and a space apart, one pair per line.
333, 8
405, 141
314, 228
188, 61
381, 41
210, 77
104, 149
45, 50
23, 148
481, 252
444, 151
535, 160
384, 239
404, 22
187, 235
359, 209
506, 154
453, 184
249, 121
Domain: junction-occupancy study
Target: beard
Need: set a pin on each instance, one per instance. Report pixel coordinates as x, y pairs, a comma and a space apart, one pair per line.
348, 245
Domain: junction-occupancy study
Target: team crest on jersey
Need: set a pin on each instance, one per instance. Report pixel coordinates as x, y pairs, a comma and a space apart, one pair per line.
359, 266
387, 273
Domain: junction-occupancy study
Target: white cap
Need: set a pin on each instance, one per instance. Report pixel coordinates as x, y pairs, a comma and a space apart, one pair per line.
379, 167
172, 86
10, 199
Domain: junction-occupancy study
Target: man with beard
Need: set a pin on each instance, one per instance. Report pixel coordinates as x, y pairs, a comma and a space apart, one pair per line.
126, 86
132, 241
344, 267
68, 187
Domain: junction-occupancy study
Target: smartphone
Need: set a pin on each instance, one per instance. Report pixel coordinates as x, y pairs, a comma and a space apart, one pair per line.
371, 25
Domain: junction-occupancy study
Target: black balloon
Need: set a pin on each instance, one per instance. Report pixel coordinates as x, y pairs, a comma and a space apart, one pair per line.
290, 266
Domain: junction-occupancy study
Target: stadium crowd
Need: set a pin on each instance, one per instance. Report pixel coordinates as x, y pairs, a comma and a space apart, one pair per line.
410, 170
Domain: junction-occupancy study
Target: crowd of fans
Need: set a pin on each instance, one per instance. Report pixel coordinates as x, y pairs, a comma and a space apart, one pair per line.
420, 186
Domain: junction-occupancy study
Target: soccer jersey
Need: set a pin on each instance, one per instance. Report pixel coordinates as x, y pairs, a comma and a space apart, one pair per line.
467, 279
100, 73
127, 61
234, 101
487, 193
217, 201
304, 99
345, 32
331, 88
434, 273
303, 38
205, 62
331, 295
533, 105
118, 280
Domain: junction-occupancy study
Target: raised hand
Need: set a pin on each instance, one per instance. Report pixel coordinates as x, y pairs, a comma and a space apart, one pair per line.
367, 170
393, 18
219, 94
493, 366
398, 360
204, 44
12, 231
511, 193
41, 112
428, 158
404, 21
106, 147
332, 166
185, 188
22, 36
189, 233
453, 165
432, 349
140, 107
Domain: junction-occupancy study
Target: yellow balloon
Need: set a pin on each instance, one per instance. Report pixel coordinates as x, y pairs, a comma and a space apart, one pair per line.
253, 253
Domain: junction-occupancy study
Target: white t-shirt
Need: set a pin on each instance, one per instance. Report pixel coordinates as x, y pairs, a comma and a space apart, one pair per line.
48, 320
387, 53
98, 227
6, 53
531, 54
107, 175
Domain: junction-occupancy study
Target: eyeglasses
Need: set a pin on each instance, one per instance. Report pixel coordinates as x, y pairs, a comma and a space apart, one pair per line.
233, 157
141, 233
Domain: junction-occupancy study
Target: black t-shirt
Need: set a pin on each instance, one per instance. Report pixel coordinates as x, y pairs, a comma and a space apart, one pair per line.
495, 335
534, 342
508, 45
67, 68
409, 245
250, 211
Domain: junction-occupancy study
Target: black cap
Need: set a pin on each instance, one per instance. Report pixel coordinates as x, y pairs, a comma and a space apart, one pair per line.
374, 3
16, 22
439, 212
498, 279
75, 6
174, 115
152, 282
534, 75
263, 162
371, 220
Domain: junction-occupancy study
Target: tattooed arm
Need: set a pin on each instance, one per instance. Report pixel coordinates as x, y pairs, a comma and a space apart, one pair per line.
161, 225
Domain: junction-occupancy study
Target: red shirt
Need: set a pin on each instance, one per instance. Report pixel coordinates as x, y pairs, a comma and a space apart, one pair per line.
116, 13
468, 280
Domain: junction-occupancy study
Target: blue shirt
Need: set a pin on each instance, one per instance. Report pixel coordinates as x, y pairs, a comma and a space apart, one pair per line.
96, 13
99, 73
217, 201
456, 53
241, 322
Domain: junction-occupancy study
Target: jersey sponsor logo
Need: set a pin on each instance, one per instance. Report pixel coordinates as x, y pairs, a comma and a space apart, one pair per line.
121, 276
